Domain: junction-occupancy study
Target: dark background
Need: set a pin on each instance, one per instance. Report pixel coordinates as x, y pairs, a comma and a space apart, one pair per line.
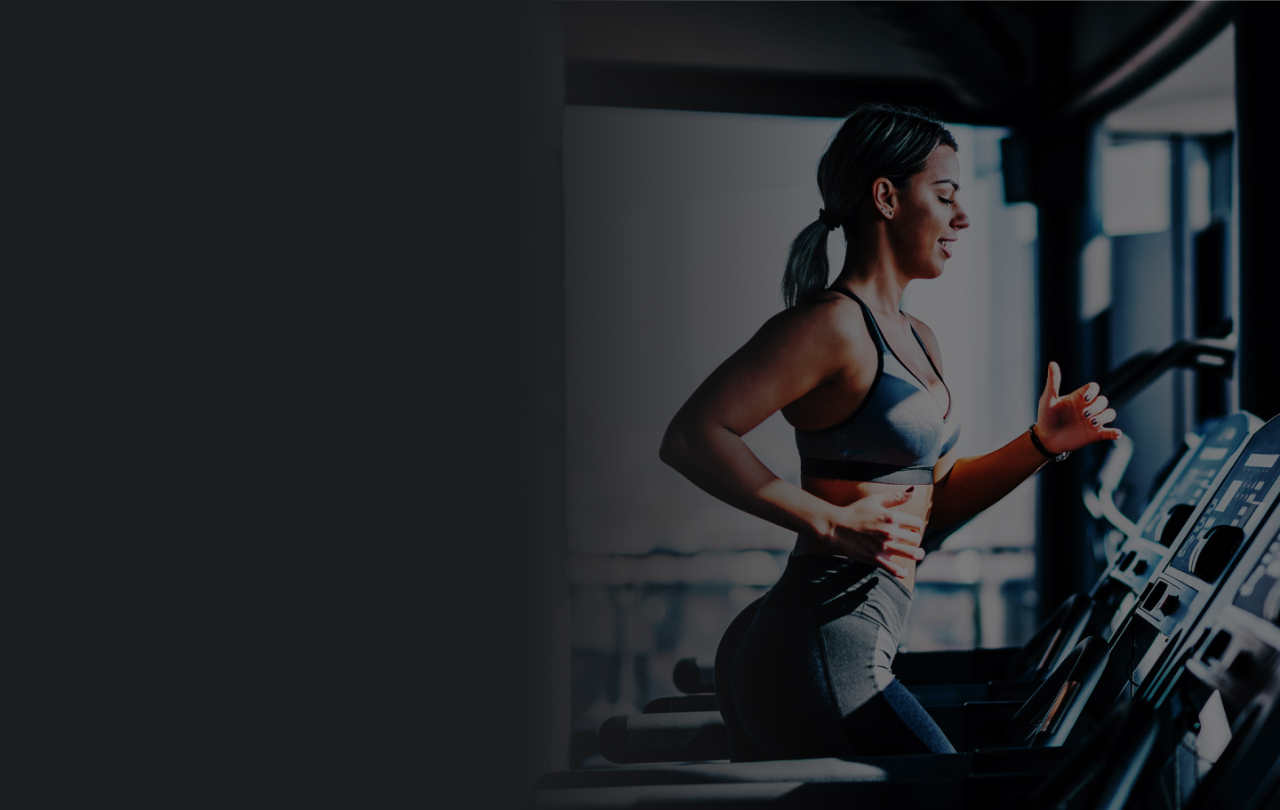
259, 317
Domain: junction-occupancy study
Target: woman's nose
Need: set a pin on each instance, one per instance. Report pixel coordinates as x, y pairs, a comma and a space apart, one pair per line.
961, 219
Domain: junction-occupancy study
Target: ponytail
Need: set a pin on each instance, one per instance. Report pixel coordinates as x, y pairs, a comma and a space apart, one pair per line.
807, 266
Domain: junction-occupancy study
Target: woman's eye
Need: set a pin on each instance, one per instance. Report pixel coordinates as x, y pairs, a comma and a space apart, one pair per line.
945, 200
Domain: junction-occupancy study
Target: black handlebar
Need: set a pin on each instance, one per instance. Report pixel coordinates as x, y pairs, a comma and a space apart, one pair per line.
1126, 381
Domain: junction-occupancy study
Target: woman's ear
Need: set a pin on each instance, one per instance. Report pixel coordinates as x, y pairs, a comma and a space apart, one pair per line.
885, 196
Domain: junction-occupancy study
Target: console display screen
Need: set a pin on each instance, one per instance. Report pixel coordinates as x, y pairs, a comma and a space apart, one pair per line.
1260, 592
1194, 481
1239, 495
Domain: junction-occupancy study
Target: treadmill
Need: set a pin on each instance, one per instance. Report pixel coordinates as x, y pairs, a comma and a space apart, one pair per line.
1205, 729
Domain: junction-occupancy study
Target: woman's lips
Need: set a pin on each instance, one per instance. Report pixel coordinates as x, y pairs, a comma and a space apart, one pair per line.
943, 244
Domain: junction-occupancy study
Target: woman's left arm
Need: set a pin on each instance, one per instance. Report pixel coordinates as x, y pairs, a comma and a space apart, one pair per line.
964, 487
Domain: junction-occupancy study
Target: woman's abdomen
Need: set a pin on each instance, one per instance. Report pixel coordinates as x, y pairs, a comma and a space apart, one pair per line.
843, 493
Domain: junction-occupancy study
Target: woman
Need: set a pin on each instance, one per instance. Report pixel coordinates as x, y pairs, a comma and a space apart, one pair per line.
862, 383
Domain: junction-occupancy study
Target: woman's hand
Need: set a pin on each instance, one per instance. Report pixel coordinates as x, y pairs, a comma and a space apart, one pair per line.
1074, 421
870, 531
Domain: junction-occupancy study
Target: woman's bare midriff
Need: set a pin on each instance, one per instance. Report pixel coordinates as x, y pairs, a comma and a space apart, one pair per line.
843, 493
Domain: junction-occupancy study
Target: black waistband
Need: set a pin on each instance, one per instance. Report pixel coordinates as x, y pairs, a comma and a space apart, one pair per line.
833, 587
845, 470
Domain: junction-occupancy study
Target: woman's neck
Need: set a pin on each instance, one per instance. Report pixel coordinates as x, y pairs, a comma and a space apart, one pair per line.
871, 273
881, 291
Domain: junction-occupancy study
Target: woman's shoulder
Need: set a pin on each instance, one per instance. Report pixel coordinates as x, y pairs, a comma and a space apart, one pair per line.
831, 318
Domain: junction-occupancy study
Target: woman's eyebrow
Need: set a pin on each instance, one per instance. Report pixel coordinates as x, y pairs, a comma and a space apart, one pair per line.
944, 180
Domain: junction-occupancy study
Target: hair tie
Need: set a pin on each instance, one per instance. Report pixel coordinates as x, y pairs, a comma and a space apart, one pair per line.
827, 220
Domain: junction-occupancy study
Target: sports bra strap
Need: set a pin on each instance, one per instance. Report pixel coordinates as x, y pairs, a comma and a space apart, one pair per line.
872, 326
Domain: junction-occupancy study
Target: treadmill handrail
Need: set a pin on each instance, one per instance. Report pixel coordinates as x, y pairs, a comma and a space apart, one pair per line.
1102, 503
1133, 376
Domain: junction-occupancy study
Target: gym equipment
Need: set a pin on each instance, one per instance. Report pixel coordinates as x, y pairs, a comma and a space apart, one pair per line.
1207, 734
1223, 527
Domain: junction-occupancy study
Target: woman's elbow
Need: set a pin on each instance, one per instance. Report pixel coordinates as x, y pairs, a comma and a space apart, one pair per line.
681, 443
670, 451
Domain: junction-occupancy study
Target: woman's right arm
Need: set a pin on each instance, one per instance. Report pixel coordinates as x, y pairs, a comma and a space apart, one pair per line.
791, 355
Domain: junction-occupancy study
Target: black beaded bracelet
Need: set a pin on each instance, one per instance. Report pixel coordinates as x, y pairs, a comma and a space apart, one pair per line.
1044, 451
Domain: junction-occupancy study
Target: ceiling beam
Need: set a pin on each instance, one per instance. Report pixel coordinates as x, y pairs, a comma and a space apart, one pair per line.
1139, 66
764, 93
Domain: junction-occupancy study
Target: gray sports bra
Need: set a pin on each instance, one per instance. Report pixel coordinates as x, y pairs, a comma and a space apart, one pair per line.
896, 435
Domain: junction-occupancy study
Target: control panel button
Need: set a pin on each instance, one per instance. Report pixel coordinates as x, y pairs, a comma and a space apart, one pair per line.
1173, 523
1153, 593
1140, 567
1170, 605
1215, 552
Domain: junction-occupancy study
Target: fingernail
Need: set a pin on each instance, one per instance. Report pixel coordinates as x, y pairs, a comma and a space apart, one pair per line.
1087, 413
910, 489
1094, 421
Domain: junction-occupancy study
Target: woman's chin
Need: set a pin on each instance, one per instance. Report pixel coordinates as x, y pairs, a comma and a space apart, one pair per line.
929, 269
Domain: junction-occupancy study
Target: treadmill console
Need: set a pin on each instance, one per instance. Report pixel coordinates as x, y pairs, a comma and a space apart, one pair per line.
1218, 533
1172, 603
1179, 502
1164, 520
1240, 649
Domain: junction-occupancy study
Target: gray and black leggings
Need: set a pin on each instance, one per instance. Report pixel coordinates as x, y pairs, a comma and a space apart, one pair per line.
809, 674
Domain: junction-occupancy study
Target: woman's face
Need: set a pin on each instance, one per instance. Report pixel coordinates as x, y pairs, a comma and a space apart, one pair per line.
928, 216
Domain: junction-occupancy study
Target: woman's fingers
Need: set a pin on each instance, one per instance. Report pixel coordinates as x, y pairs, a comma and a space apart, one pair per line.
898, 534
899, 571
1104, 417
897, 498
904, 549
894, 535
1075, 420
908, 522
1095, 407
1051, 383
1088, 395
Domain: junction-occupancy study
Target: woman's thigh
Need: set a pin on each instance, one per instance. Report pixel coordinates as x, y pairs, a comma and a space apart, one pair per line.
878, 714
781, 689
805, 689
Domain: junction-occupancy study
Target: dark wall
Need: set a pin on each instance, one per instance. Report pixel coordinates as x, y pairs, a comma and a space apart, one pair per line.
462, 724
1259, 209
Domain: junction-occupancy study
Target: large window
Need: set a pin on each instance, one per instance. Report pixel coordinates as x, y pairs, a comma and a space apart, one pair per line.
1160, 269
